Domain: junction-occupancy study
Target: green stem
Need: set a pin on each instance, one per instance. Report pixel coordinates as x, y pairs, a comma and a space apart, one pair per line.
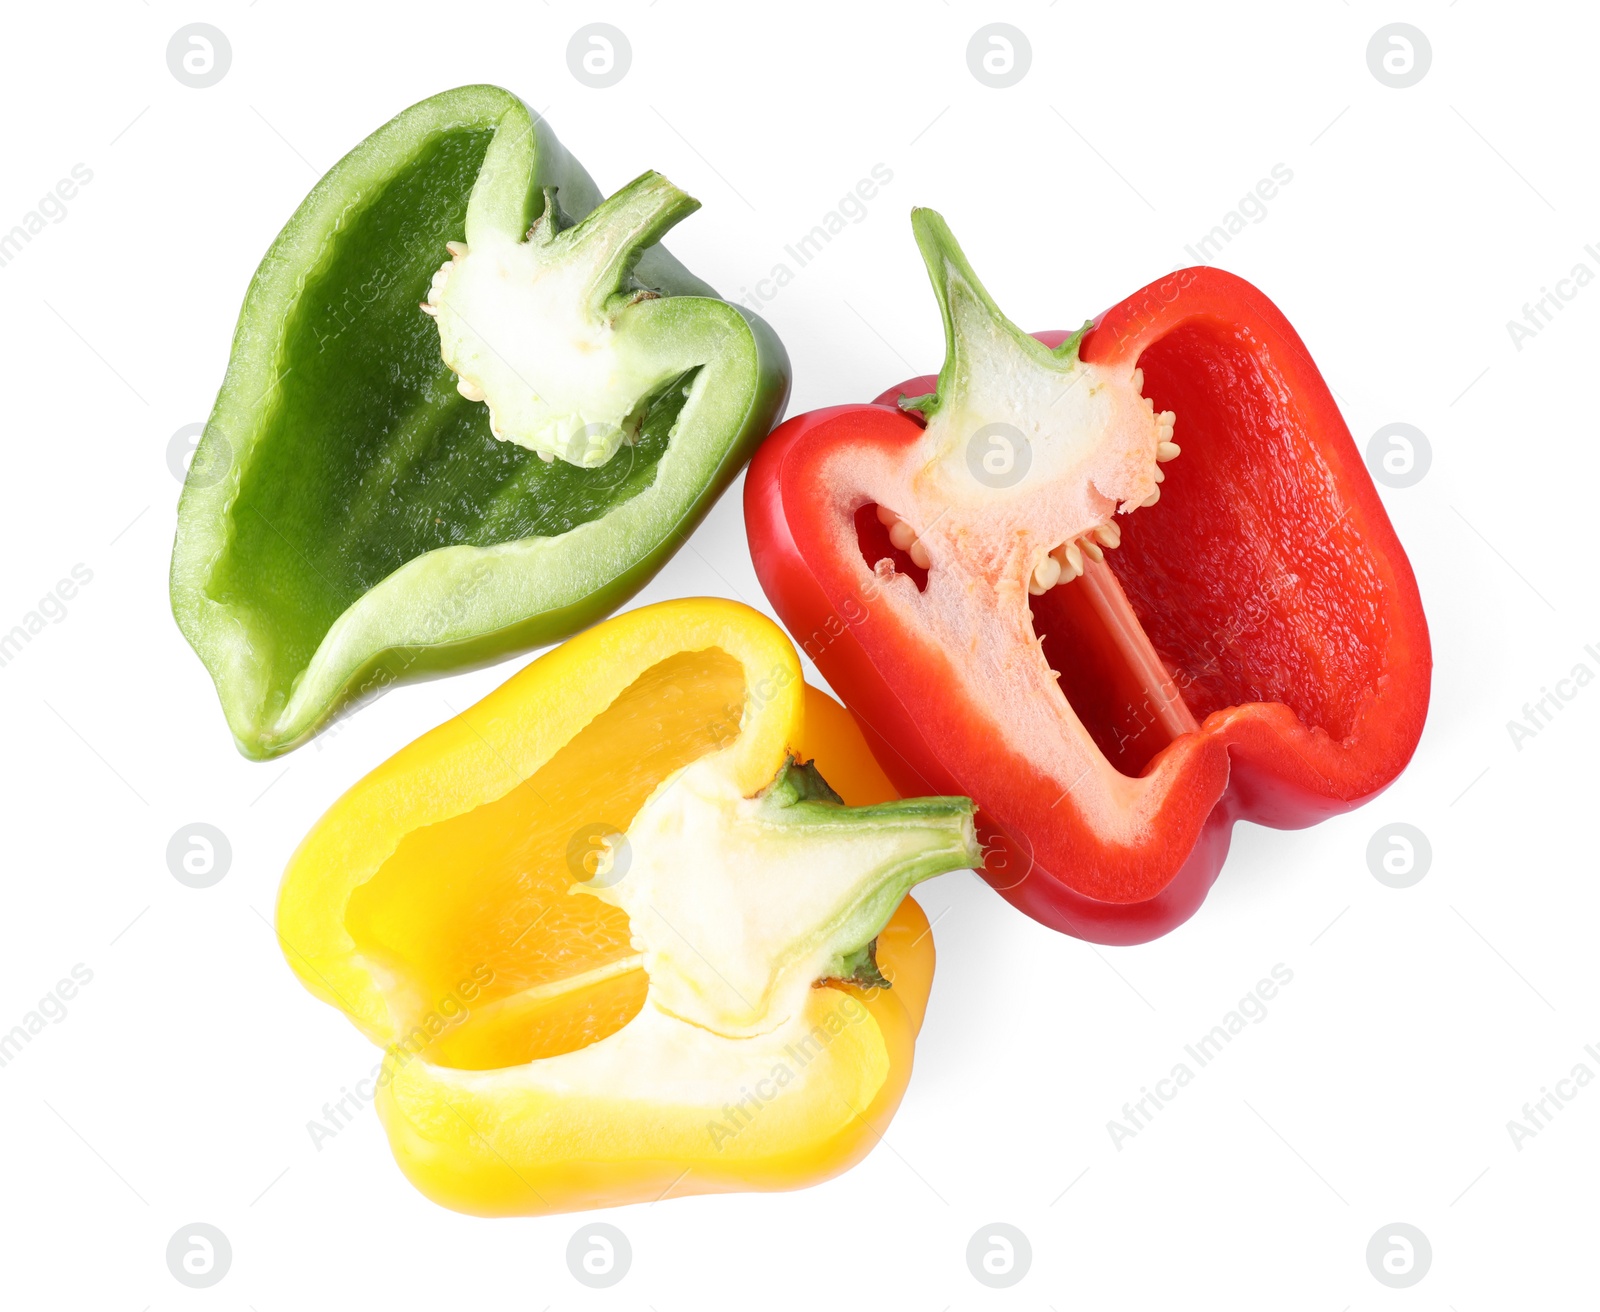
979, 340
926, 836
620, 229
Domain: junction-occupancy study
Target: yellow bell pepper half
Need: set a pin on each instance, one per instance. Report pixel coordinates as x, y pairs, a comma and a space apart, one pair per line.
617, 941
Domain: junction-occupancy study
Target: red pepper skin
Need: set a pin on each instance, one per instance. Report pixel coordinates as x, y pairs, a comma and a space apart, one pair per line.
1274, 477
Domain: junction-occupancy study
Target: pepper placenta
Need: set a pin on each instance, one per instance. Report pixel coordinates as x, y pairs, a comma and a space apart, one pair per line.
616, 934
412, 467
1122, 586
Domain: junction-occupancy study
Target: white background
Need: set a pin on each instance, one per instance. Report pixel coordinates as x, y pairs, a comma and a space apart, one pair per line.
1378, 1088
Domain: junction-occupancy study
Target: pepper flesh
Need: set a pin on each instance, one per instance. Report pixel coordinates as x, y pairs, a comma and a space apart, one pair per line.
1249, 645
547, 1051
350, 518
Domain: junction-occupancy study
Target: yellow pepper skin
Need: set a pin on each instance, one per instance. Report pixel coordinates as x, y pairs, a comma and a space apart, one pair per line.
529, 1068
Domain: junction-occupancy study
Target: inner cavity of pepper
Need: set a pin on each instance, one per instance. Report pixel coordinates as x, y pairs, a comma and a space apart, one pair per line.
1246, 583
487, 958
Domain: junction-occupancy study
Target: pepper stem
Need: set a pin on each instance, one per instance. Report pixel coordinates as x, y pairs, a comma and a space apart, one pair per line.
924, 837
981, 344
742, 904
610, 239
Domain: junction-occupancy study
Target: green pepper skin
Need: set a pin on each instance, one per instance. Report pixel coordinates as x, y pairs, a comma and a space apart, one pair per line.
349, 520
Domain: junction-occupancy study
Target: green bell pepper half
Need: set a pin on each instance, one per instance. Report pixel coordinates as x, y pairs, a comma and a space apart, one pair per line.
349, 518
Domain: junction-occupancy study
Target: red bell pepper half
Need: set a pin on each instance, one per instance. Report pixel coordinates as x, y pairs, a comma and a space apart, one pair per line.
1122, 587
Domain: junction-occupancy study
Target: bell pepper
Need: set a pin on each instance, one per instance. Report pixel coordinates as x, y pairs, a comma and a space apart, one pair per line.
1023, 593
471, 408
616, 939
